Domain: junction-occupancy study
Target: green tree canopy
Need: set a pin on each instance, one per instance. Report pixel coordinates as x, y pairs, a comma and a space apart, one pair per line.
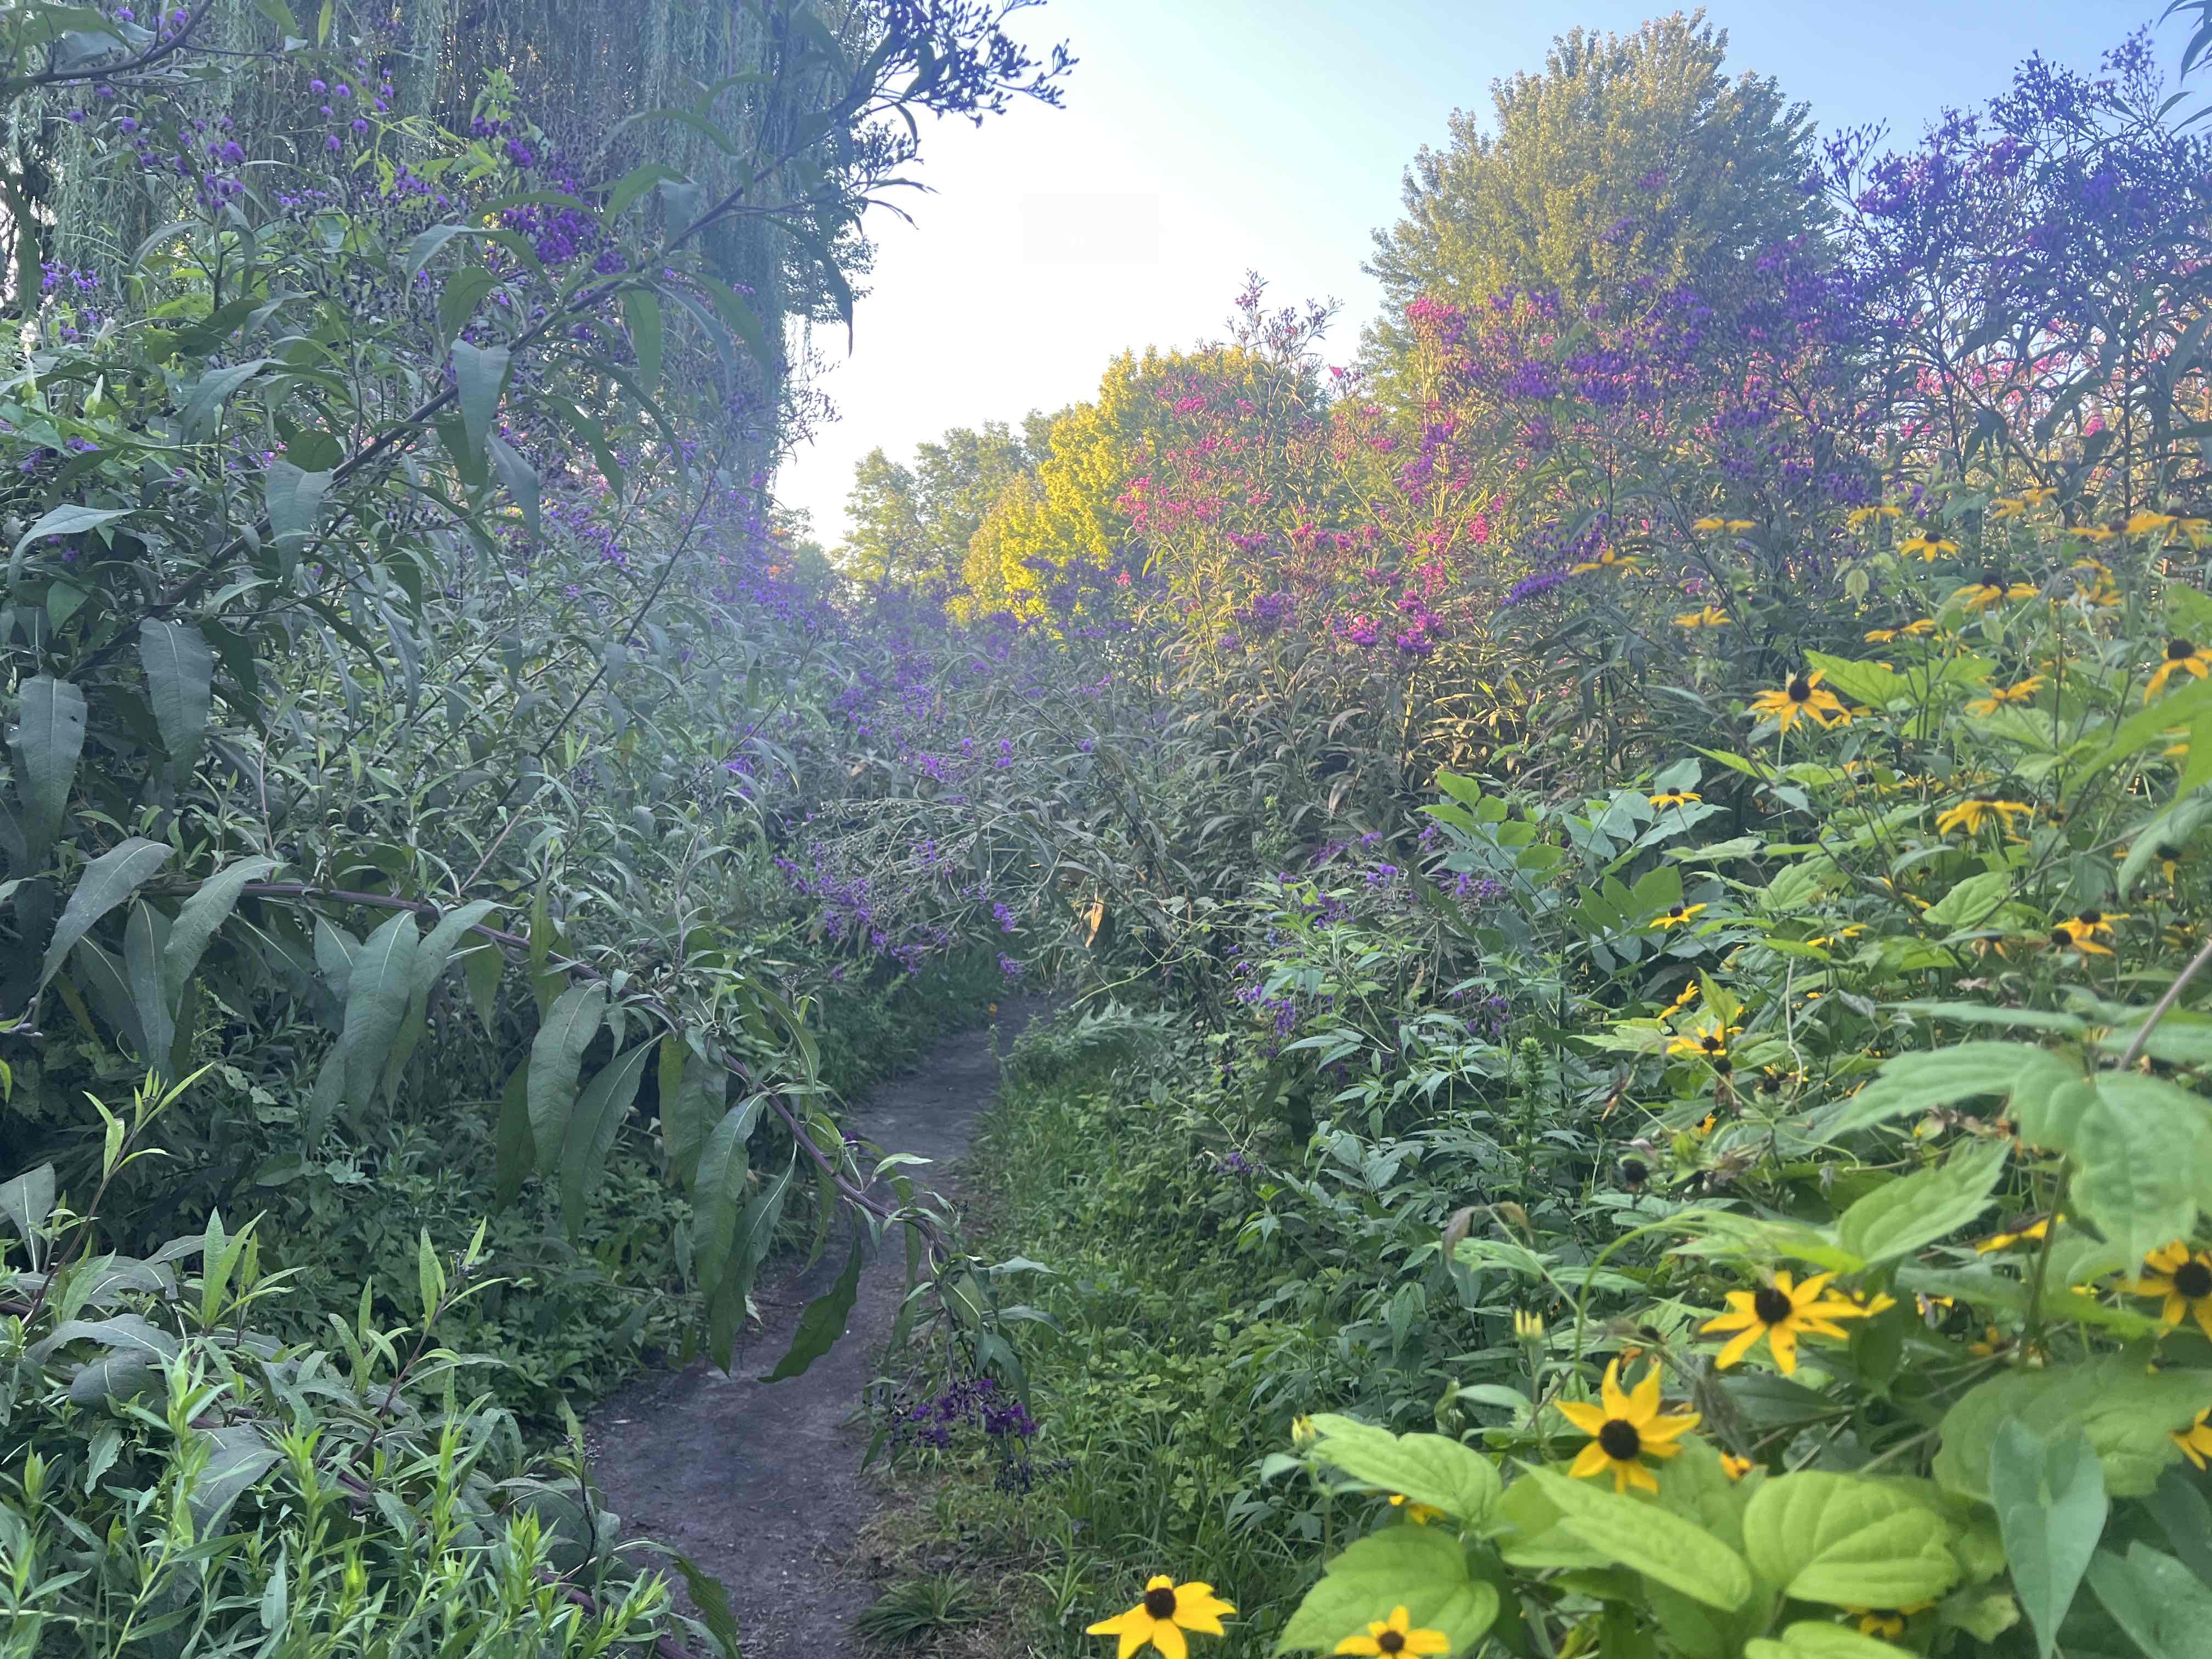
915, 523
1630, 156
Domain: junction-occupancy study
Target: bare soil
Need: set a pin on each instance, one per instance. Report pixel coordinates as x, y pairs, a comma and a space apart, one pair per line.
760, 1483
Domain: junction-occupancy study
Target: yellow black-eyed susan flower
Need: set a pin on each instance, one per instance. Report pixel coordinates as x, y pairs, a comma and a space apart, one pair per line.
1736, 1468
1920, 544
1167, 1610
1607, 560
2091, 532
2182, 657
1862, 516
1387, 1639
1711, 615
1667, 798
1709, 1041
1971, 813
1680, 915
2032, 1232
2196, 1440
1781, 1313
2006, 506
1992, 587
2148, 524
2072, 936
1802, 698
2020, 691
1884, 1621
2040, 494
2184, 1278
1625, 1428
2094, 922
1418, 1513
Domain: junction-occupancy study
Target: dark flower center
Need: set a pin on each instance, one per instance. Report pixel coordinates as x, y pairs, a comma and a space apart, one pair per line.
1634, 1172
1679, 912
2063, 937
1768, 1085
1618, 1438
2193, 1279
1391, 1641
1801, 689
2179, 650
1712, 1042
1724, 1065
2091, 918
1772, 1306
1160, 1603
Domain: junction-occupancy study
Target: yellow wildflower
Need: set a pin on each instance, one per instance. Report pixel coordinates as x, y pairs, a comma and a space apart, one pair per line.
1625, 1429
1781, 1313
1167, 1610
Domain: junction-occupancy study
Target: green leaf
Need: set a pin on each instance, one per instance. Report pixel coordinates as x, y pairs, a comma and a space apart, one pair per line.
2051, 1506
67, 520
106, 882
485, 965
142, 966
824, 1321
1422, 1569
1971, 903
605, 1101
2126, 1411
556, 1056
1920, 1082
634, 184
641, 312
48, 739
199, 918
429, 963
180, 679
1809, 1639
711, 1599
2141, 1154
1868, 682
694, 1091
26, 1201
1664, 1547
481, 373
295, 502
520, 479
204, 405
375, 1004
1423, 1468
429, 1273
2164, 1608
1823, 1537
458, 302
1899, 1216
719, 1193
514, 1154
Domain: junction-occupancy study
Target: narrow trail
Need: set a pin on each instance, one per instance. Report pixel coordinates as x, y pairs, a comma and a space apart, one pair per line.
759, 1483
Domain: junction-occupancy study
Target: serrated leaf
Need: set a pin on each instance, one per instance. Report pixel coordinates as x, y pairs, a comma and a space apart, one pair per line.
1920, 1082
1899, 1216
1423, 1468
2142, 1153
1851, 1542
1648, 1540
2126, 1411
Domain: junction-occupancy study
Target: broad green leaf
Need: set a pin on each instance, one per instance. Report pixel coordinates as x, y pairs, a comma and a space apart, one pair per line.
106, 882
600, 1108
429, 963
295, 502
2050, 1505
375, 1005
204, 404
1899, 1216
1647, 1539
1422, 1569
179, 681
69, 519
26, 1200
719, 1192
1809, 1639
484, 964
2126, 1410
711, 1599
824, 1321
1833, 1538
48, 739
142, 966
693, 1093
1920, 1082
458, 302
2164, 1608
1868, 682
513, 1155
556, 1056
2143, 1152
480, 375
200, 917
1425, 1469
1971, 903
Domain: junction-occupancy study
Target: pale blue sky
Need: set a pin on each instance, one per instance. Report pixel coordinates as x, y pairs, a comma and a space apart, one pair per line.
1204, 137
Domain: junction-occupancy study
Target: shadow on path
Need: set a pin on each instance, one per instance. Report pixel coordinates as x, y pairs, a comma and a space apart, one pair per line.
759, 1483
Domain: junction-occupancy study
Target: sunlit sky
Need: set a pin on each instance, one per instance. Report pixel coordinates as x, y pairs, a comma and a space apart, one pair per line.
1202, 138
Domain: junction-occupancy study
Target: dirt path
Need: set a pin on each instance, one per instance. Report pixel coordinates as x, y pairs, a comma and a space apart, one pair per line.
761, 1483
